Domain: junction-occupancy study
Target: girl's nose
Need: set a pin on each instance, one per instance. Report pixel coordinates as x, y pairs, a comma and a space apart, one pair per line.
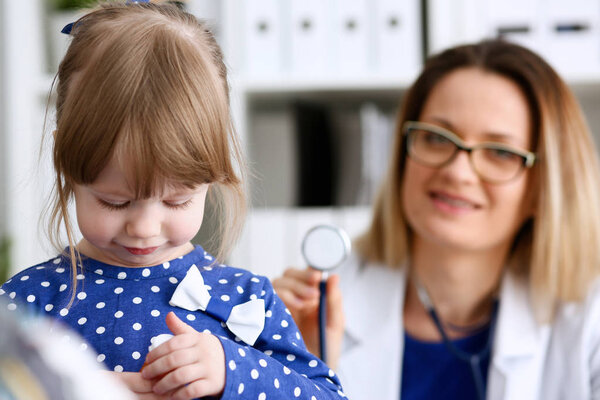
145, 222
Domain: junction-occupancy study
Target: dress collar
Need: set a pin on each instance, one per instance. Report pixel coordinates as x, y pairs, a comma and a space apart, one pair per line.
197, 256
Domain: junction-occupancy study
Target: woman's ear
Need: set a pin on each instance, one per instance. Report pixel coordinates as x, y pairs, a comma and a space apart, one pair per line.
54, 132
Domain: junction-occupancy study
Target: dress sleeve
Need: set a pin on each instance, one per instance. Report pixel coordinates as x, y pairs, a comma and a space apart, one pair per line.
278, 365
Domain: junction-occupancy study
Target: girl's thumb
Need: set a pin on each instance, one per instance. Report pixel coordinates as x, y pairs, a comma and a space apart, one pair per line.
177, 326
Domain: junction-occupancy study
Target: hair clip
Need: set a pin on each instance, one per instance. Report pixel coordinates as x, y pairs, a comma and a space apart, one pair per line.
68, 28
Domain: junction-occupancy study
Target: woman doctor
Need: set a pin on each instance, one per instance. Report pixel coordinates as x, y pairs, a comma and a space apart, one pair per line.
478, 275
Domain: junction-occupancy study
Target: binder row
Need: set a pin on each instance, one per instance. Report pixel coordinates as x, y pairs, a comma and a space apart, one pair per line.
565, 33
319, 39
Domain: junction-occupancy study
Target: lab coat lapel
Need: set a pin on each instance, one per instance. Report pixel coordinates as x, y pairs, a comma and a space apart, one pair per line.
372, 295
518, 353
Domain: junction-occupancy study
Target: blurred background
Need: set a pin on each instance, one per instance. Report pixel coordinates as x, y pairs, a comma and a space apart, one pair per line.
315, 88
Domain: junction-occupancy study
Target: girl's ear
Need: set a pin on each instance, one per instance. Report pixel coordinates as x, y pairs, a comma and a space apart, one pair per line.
54, 132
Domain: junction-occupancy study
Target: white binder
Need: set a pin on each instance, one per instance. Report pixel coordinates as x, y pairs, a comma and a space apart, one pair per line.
350, 31
571, 37
515, 20
262, 32
309, 38
397, 30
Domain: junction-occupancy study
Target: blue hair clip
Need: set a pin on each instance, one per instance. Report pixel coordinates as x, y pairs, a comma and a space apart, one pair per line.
68, 28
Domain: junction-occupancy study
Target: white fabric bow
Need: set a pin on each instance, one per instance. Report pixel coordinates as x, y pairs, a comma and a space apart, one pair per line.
246, 320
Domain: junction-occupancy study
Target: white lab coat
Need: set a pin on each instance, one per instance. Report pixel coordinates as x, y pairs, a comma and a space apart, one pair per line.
560, 360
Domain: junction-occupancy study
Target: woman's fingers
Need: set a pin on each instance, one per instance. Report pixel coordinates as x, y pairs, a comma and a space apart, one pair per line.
335, 321
308, 275
301, 284
335, 311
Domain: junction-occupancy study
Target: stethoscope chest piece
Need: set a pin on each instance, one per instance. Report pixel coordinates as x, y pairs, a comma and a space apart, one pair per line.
325, 247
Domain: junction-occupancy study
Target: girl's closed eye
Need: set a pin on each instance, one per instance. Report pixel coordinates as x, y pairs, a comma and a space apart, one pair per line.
112, 205
178, 204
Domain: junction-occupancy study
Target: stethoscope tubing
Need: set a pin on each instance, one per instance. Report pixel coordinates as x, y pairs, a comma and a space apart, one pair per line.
473, 359
323, 320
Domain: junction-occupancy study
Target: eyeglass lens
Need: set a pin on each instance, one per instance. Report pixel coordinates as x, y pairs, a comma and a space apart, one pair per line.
491, 162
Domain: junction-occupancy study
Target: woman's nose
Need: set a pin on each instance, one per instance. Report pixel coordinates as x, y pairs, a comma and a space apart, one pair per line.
460, 167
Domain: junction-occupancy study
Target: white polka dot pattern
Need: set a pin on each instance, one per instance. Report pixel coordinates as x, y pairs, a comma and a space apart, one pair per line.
121, 309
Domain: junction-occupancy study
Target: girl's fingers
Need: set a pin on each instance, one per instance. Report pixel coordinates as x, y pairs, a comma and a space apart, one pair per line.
153, 396
180, 377
185, 336
134, 381
196, 389
176, 343
177, 326
169, 362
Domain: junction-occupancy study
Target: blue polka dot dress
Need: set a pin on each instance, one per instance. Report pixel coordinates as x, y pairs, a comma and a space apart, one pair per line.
120, 310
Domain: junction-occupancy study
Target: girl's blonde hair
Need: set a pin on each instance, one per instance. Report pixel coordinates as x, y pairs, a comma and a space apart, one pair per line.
146, 81
559, 248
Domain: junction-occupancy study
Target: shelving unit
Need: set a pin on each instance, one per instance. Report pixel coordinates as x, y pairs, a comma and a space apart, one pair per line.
267, 90
262, 98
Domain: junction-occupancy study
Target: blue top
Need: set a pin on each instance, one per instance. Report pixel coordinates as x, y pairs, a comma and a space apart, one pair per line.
118, 310
431, 371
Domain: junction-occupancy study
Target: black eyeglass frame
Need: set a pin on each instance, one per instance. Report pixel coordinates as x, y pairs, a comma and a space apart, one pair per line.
529, 158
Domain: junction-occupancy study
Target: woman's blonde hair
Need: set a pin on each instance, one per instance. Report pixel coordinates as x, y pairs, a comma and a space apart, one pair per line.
559, 248
146, 81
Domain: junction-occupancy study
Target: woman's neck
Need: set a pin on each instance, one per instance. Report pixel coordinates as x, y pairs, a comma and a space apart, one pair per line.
461, 284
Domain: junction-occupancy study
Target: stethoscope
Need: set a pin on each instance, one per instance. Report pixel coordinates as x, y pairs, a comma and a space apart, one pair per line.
473, 359
324, 248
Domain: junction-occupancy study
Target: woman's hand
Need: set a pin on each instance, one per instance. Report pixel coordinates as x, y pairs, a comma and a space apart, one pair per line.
189, 365
299, 290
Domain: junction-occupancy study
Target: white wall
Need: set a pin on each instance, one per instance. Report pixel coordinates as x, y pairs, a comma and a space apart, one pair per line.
22, 59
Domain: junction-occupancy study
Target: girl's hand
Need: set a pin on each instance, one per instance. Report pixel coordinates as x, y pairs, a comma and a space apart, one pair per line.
189, 365
141, 387
299, 290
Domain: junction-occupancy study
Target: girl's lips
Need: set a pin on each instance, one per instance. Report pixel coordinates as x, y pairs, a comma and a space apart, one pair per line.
140, 252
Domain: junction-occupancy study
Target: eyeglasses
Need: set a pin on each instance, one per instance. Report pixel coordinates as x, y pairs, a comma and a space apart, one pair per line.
434, 146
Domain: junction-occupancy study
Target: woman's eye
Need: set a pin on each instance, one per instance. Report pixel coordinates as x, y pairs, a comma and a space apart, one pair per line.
178, 204
502, 154
434, 138
113, 206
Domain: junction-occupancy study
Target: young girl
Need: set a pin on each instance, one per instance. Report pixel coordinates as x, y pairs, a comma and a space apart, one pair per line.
143, 133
